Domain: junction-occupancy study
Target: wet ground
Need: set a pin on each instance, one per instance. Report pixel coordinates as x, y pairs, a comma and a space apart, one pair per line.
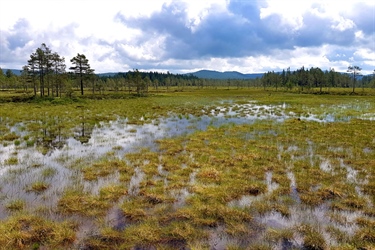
21, 166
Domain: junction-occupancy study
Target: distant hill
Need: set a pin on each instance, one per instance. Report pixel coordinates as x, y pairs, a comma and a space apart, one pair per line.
207, 74
212, 74
16, 72
109, 74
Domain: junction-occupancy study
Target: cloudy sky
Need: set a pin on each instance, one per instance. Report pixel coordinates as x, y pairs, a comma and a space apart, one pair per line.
180, 36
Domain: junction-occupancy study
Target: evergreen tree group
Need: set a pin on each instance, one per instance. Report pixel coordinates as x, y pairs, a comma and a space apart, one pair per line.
305, 79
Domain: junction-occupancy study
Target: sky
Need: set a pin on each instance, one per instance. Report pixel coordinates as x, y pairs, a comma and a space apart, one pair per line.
182, 36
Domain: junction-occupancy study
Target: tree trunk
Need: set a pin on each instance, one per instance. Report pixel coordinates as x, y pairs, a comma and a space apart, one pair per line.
353, 82
81, 86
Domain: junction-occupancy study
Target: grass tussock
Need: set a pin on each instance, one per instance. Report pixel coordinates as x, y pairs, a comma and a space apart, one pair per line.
11, 161
105, 168
25, 231
78, 202
38, 187
312, 239
15, 205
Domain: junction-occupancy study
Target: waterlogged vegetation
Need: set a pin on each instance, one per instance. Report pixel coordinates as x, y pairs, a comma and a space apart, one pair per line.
204, 169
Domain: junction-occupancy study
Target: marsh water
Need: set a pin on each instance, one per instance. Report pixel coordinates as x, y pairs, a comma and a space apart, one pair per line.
22, 165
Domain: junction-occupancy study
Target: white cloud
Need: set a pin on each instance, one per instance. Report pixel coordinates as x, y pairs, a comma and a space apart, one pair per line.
198, 10
343, 24
291, 12
90, 27
359, 34
365, 53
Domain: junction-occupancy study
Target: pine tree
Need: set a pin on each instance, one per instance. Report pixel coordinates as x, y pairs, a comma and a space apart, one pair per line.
81, 68
355, 70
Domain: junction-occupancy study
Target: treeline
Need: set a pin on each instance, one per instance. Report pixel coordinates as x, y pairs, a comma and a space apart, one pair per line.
44, 82
56, 83
127, 80
45, 74
315, 78
156, 76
